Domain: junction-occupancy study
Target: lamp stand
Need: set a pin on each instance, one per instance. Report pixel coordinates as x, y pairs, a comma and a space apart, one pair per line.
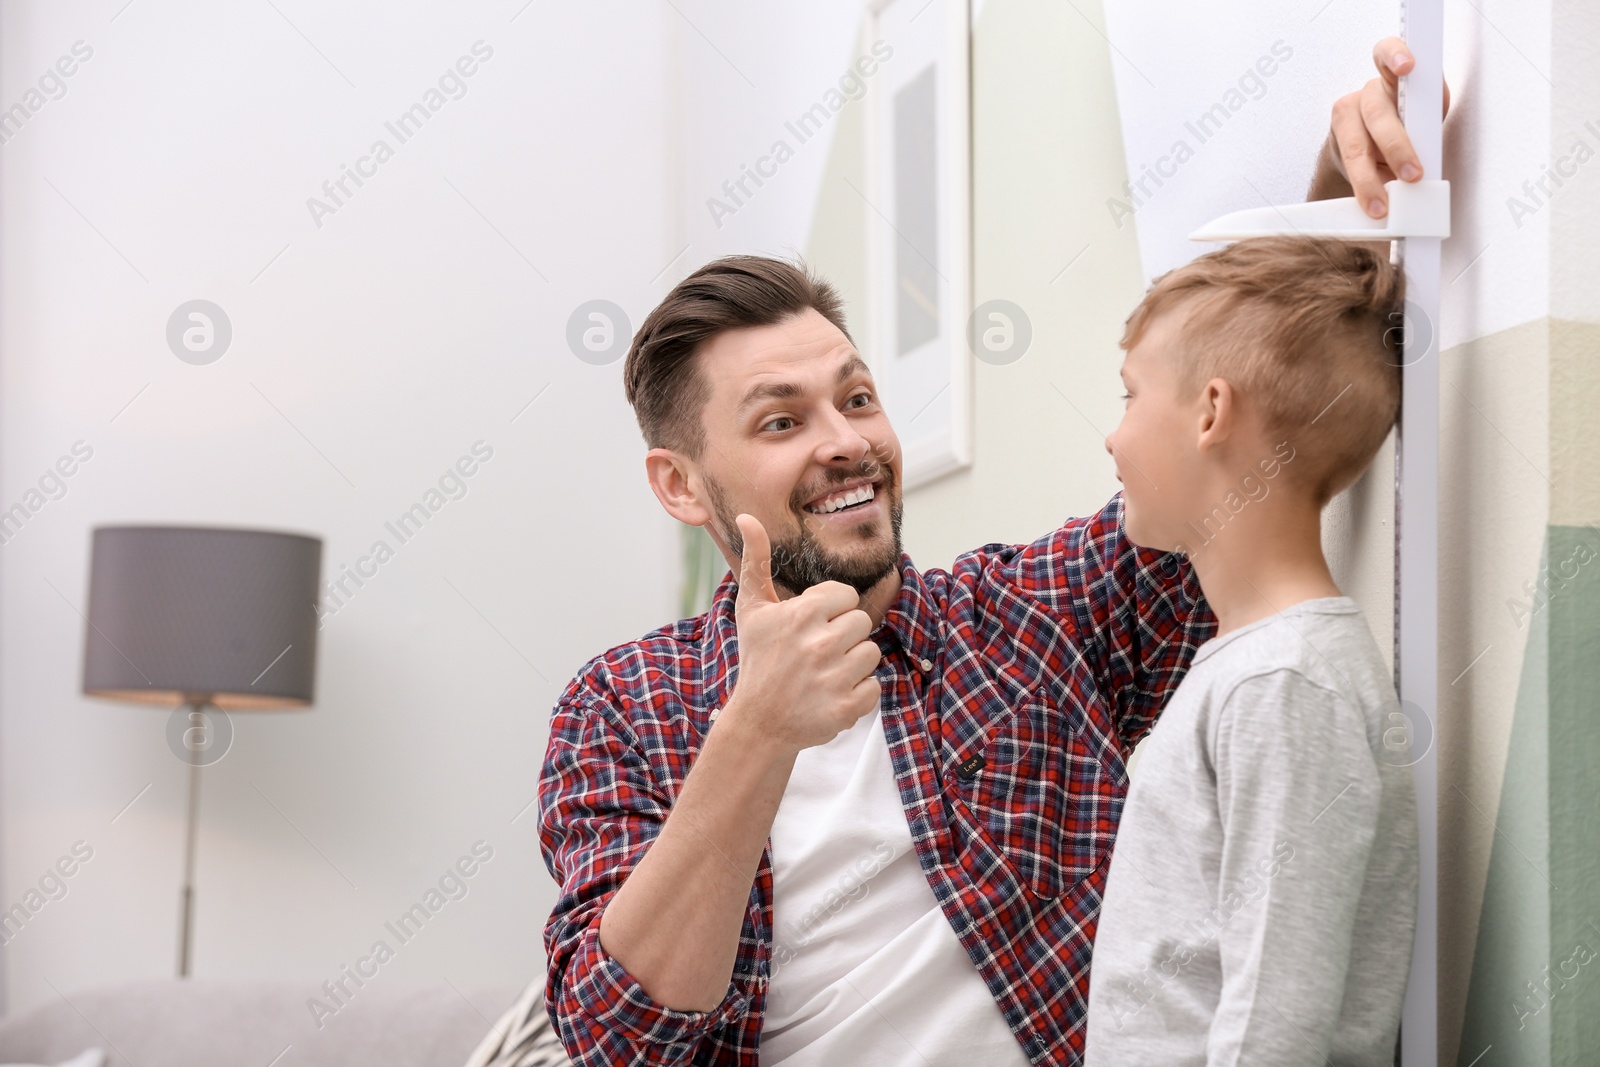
186, 935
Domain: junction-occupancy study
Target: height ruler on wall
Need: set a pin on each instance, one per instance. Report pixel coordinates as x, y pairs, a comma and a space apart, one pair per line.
1418, 220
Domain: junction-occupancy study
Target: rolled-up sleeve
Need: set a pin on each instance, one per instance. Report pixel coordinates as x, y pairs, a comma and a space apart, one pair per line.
603, 1009
599, 811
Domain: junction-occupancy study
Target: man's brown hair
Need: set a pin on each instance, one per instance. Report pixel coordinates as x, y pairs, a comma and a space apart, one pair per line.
1305, 329
667, 390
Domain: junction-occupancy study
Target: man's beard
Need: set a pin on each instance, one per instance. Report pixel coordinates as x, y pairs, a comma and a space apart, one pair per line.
800, 561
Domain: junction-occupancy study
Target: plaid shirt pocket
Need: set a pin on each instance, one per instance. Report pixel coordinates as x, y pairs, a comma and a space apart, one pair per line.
1039, 793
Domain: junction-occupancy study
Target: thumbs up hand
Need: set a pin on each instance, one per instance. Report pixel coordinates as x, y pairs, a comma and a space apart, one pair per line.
806, 664
755, 566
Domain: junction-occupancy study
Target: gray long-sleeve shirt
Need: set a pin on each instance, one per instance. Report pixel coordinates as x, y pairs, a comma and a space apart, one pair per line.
1262, 894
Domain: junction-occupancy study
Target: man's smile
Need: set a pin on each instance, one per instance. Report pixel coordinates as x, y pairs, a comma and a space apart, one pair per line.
856, 496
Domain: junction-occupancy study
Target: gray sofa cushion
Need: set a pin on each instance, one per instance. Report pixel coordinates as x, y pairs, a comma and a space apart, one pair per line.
205, 1023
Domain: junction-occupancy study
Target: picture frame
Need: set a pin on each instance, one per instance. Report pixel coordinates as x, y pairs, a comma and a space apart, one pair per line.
918, 215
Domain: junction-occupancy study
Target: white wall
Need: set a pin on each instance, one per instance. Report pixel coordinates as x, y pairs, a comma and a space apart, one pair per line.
368, 354
747, 72
1266, 148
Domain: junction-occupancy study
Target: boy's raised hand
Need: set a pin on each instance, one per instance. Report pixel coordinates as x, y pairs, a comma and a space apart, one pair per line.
1367, 143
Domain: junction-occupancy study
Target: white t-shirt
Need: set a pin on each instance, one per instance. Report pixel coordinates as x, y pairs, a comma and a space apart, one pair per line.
866, 970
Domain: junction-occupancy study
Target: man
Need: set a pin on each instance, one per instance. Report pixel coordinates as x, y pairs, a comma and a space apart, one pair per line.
937, 759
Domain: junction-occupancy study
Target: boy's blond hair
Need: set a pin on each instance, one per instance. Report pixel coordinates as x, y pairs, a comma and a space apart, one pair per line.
1305, 329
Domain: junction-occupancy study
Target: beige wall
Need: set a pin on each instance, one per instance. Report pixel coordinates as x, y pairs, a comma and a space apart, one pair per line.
1494, 506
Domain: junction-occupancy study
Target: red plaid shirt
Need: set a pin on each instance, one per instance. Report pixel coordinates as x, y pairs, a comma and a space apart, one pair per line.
1013, 689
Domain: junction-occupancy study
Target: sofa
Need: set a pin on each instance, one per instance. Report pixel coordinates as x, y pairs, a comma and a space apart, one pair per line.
206, 1023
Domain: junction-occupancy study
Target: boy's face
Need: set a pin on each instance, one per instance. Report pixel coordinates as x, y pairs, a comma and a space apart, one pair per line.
1155, 445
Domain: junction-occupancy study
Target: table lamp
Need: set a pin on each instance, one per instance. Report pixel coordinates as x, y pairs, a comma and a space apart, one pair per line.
201, 617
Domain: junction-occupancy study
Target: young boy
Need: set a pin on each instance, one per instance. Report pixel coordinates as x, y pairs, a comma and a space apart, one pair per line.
1261, 899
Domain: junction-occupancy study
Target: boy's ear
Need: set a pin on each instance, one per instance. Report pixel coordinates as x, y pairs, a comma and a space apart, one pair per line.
1218, 413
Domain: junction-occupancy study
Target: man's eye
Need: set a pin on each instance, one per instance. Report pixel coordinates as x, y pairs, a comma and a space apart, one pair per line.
1126, 396
863, 396
774, 422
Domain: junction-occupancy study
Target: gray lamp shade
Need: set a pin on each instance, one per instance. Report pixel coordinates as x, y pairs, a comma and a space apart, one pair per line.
187, 612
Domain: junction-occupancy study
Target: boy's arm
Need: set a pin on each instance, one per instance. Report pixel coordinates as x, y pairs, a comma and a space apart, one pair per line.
1298, 795
1137, 614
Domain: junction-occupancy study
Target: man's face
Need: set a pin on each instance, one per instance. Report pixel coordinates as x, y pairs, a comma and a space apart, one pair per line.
1154, 446
794, 421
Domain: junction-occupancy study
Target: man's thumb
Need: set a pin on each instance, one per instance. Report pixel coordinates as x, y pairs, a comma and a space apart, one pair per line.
755, 563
